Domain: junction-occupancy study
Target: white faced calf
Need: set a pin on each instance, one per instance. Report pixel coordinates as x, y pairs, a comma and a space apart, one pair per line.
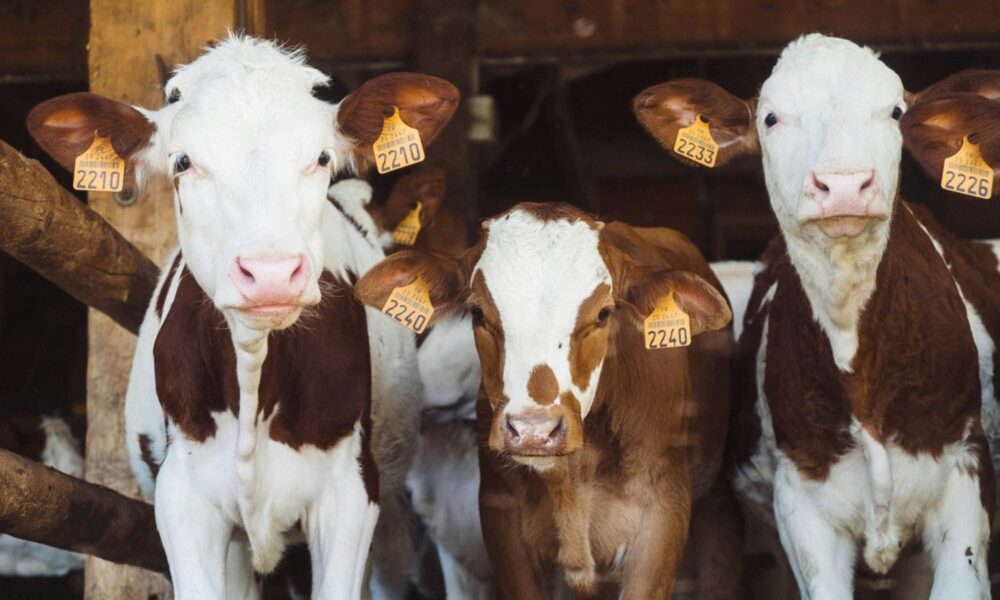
870, 333
243, 431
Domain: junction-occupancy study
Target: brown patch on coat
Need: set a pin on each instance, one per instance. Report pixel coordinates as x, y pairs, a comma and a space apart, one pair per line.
542, 385
146, 452
161, 298
589, 342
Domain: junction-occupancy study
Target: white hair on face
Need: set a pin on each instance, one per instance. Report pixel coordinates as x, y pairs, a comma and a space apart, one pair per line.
538, 273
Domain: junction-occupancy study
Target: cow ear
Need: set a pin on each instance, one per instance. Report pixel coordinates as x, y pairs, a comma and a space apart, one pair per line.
65, 126
666, 108
643, 287
935, 126
980, 82
426, 187
425, 103
443, 275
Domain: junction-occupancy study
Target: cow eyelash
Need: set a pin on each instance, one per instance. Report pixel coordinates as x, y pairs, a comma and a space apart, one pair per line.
181, 164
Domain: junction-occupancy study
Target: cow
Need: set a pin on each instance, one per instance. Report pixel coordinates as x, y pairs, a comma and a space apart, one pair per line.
46, 439
870, 335
444, 479
587, 473
262, 399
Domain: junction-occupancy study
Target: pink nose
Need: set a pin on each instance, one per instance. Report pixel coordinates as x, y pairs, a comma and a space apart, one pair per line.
270, 280
843, 193
535, 433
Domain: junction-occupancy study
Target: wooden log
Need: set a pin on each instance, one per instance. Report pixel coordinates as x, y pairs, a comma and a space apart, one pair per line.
126, 36
48, 229
40, 504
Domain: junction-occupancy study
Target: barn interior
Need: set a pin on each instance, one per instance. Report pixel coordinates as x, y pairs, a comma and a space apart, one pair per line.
547, 88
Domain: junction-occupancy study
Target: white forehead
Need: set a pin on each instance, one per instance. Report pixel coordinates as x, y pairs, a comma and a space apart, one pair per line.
248, 93
818, 71
539, 271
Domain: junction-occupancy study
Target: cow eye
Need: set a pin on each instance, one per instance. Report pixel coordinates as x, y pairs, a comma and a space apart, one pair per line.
771, 119
181, 163
324, 158
897, 112
477, 316
603, 316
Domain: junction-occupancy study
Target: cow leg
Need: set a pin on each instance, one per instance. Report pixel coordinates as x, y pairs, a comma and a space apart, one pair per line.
956, 533
821, 557
194, 531
393, 549
339, 527
717, 540
240, 579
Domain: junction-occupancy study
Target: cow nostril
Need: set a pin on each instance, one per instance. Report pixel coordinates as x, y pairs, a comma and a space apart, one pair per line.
819, 184
509, 428
298, 270
246, 273
558, 430
868, 183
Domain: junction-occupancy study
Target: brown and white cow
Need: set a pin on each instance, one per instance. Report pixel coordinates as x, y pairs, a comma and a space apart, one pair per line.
870, 336
584, 444
262, 397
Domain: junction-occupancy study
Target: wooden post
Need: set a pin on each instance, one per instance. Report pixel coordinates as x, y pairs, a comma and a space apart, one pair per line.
40, 504
126, 36
446, 48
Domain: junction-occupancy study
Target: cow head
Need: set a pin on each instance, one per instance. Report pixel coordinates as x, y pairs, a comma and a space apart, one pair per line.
250, 152
547, 292
826, 123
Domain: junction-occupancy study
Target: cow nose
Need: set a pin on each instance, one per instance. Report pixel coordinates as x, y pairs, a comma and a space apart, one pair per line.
843, 193
535, 433
270, 280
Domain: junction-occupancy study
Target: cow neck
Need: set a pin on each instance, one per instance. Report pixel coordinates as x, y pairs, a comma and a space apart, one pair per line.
838, 277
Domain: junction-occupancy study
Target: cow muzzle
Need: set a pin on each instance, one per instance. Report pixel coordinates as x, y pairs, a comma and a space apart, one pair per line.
537, 432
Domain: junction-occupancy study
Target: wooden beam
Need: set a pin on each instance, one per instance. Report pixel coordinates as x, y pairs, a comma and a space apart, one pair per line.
47, 228
40, 504
43, 40
126, 36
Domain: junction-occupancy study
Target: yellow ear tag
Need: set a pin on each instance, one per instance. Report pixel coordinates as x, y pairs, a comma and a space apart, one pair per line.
966, 172
695, 142
409, 228
410, 305
398, 146
99, 169
667, 326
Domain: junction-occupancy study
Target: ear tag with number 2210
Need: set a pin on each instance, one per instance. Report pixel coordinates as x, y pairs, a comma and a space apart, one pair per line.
99, 168
667, 326
398, 145
410, 305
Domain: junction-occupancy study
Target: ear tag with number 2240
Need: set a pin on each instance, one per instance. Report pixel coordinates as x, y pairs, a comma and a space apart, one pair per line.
667, 326
410, 305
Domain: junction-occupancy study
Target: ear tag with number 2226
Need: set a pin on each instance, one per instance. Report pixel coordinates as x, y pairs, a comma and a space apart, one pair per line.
967, 172
99, 168
398, 145
695, 143
410, 305
667, 326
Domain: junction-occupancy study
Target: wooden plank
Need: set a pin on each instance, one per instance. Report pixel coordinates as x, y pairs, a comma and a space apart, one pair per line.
43, 39
47, 228
346, 29
40, 504
126, 36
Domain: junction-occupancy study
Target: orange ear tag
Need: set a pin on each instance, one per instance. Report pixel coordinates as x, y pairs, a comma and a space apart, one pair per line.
966, 172
99, 169
410, 305
695, 143
398, 145
667, 326
409, 228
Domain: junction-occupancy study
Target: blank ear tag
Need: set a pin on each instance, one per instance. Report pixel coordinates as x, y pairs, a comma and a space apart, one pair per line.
398, 145
99, 168
966, 172
410, 305
408, 229
667, 326
695, 143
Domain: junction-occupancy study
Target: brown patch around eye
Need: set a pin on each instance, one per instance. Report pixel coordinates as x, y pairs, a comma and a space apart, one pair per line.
542, 385
589, 345
490, 344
